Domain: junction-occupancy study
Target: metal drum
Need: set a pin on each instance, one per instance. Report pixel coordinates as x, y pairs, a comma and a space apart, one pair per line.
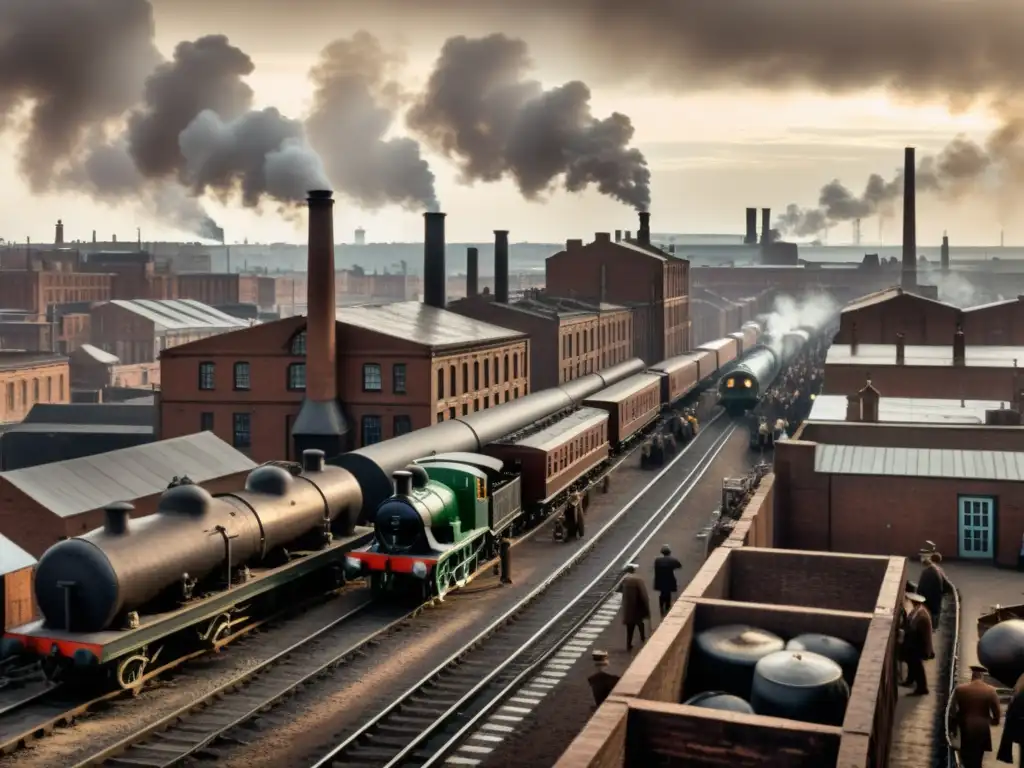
1001, 649
835, 648
726, 657
801, 686
720, 700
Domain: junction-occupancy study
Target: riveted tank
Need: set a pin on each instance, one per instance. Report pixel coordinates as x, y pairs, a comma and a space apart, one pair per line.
726, 657
800, 685
720, 700
841, 652
1001, 650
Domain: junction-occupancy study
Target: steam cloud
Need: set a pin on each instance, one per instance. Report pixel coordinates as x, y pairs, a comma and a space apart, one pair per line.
479, 110
815, 310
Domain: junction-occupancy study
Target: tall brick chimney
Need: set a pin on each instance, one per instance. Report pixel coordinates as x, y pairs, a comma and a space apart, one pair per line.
58, 236
766, 226
643, 235
472, 271
908, 279
320, 424
501, 266
435, 275
901, 349
618, 235
959, 347
751, 236
944, 255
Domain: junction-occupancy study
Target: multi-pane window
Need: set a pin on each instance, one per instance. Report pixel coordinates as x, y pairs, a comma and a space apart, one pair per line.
206, 376
402, 425
206, 421
241, 376
298, 347
371, 430
242, 433
398, 378
297, 376
372, 380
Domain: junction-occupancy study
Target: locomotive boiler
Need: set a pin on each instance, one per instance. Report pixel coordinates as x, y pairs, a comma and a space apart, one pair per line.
744, 386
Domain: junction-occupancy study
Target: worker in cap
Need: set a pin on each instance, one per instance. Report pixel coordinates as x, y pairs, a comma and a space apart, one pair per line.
917, 644
975, 709
933, 584
636, 607
665, 568
602, 681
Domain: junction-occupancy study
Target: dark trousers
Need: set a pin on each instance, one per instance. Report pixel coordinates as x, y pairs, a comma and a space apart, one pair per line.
915, 673
629, 634
971, 757
664, 601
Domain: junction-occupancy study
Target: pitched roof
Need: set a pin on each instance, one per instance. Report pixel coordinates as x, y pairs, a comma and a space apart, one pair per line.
69, 488
180, 314
17, 359
888, 294
423, 324
909, 410
90, 413
12, 557
919, 462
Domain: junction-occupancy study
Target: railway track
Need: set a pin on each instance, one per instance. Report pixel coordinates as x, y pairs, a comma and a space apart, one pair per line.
429, 721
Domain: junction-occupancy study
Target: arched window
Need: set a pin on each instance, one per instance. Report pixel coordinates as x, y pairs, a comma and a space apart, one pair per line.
515, 366
440, 385
476, 374
453, 384
465, 377
487, 372
298, 347
506, 369
35, 390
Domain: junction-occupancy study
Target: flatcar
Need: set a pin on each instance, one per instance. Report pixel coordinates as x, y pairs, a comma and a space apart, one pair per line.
744, 386
631, 405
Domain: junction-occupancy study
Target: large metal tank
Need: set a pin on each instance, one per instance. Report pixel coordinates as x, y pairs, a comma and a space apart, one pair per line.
841, 652
726, 657
800, 685
1001, 649
722, 701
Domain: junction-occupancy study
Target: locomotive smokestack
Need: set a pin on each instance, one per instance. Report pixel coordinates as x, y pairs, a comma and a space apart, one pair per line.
58, 236
944, 255
643, 235
435, 276
766, 226
320, 424
472, 272
115, 517
751, 236
403, 483
908, 279
501, 266
312, 460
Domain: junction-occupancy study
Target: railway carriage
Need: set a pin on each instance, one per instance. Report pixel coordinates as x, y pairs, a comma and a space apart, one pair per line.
631, 405
681, 375
724, 352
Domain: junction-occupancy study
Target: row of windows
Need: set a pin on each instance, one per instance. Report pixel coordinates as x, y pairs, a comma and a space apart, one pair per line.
453, 412
242, 377
373, 378
609, 334
612, 357
640, 404
453, 378
241, 428
593, 439
372, 430
12, 392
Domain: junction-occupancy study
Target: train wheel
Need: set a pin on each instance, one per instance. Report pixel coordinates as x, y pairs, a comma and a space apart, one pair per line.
130, 672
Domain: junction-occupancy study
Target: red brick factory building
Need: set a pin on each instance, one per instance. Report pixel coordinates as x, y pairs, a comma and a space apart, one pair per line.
343, 378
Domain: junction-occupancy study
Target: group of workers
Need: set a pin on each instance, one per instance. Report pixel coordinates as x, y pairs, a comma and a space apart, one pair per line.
788, 401
662, 447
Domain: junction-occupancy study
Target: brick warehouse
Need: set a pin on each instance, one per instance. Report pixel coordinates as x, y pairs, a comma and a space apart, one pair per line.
373, 371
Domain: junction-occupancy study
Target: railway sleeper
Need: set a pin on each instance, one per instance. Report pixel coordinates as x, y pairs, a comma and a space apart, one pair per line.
378, 756
403, 730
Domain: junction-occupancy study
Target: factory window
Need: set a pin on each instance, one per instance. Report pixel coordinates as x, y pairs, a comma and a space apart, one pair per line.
372, 379
24, 394
476, 374
487, 401
440, 384
526, 365
578, 347
206, 380
591, 338
506, 369
402, 425
515, 366
569, 337
241, 376
440, 416
515, 394
451, 412
476, 405
206, 421
371, 430
242, 435
297, 377
487, 373
10, 397
465, 409
453, 384
299, 344
35, 390
62, 386
465, 377
49, 389
398, 378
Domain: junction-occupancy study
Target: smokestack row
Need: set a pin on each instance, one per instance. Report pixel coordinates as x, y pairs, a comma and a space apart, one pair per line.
766, 226
320, 424
751, 237
435, 277
908, 279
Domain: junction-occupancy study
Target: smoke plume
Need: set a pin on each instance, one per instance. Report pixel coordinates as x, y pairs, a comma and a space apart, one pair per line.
479, 110
354, 107
814, 310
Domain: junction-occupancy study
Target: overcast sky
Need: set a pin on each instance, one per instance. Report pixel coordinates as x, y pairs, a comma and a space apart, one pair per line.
711, 153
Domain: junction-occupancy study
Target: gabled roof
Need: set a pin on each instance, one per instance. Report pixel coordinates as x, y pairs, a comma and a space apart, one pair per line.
181, 314
423, 324
992, 305
271, 337
69, 488
889, 294
16, 359
12, 557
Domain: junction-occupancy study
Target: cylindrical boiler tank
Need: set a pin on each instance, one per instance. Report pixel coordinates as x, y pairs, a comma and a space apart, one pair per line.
726, 657
720, 700
801, 686
835, 648
1001, 649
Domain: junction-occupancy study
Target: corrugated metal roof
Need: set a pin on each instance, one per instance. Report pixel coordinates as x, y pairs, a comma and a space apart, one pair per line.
91, 413
99, 355
180, 314
12, 557
878, 355
910, 410
422, 324
68, 488
619, 392
919, 462
557, 434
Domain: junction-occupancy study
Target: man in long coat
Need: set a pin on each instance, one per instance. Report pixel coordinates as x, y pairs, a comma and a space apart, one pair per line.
976, 707
665, 584
636, 606
932, 584
602, 681
917, 644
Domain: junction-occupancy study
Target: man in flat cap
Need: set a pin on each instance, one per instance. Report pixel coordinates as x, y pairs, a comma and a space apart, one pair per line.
665, 568
917, 644
975, 711
602, 681
932, 584
636, 606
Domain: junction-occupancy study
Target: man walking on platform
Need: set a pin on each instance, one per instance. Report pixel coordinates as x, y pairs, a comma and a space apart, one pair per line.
976, 710
636, 607
917, 644
665, 568
602, 681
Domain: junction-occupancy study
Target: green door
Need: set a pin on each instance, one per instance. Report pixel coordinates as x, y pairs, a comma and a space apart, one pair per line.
977, 527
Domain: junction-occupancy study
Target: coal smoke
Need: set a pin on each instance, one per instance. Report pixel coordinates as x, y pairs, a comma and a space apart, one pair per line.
479, 110
354, 107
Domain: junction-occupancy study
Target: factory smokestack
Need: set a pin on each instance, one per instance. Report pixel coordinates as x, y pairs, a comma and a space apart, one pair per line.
320, 424
751, 236
908, 279
643, 235
472, 272
766, 226
58, 236
944, 254
501, 266
435, 276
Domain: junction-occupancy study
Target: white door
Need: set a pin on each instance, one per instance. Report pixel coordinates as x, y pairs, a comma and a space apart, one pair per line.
977, 527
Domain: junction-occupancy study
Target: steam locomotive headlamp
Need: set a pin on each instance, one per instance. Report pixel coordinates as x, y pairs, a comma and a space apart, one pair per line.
353, 567
748, 383
730, 383
419, 569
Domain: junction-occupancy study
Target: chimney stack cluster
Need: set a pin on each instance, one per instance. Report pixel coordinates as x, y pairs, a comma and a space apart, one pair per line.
501, 266
909, 274
472, 272
435, 275
751, 237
